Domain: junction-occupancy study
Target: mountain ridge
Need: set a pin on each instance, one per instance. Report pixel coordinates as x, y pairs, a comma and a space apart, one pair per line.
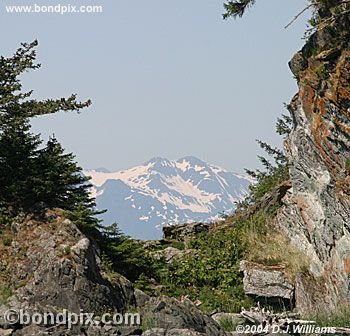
144, 198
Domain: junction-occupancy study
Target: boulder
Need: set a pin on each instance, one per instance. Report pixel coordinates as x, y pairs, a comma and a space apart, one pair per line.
169, 313
183, 232
141, 297
266, 283
171, 254
53, 267
297, 64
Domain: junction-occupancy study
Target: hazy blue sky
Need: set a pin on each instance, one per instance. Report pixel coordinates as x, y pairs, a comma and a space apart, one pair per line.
167, 78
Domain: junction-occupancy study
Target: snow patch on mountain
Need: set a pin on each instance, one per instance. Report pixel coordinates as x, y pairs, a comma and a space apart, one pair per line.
164, 192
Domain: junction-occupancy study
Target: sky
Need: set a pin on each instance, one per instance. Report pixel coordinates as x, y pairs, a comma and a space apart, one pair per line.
167, 78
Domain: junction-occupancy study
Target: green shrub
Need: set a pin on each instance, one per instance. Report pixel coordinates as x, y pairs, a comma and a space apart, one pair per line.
5, 294
7, 241
347, 164
127, 256
143, 283
212, 274
178, 244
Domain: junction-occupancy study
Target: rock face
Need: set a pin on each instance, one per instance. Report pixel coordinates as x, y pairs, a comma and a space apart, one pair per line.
316, 212
172, 254
183, 232
168, 313
52, 266
55, 267
267, 284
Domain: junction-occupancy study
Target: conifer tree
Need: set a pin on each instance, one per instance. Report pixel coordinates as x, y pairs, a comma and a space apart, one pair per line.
322, 9
30, 175
275, 166
62, 184
237, 8
18, 151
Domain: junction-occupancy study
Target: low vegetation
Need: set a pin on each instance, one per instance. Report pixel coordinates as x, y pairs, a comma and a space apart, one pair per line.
5, 294
327, 318
266, 246
127, 256
228, 324
212, 275
347, 163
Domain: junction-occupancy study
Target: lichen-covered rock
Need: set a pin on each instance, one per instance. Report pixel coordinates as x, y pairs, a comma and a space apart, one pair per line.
316, 211
52, 266
169, 313
171, 254
266, 282
61, 268
297, 64
141, 297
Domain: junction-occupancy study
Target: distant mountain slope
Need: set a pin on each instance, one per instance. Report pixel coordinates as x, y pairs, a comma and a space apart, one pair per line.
144, 198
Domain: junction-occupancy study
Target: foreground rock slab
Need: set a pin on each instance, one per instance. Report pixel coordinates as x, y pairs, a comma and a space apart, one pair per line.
169, 313
267, 282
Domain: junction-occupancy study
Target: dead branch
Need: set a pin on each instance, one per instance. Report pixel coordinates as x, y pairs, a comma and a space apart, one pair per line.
312, 5
299, 14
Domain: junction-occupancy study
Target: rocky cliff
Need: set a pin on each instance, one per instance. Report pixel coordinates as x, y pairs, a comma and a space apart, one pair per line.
316, 211
49, 266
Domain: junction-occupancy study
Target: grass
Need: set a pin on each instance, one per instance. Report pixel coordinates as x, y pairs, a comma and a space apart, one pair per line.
148, 322
66, 251
228, 324
339, 318
180, 245
264, 245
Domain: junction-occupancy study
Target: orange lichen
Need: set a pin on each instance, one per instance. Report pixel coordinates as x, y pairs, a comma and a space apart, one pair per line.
346, 265
307, 96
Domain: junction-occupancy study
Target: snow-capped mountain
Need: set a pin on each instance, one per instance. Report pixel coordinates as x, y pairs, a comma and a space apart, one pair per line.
161, 191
